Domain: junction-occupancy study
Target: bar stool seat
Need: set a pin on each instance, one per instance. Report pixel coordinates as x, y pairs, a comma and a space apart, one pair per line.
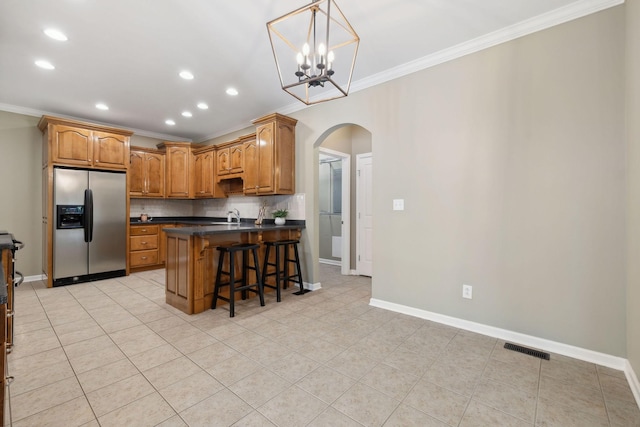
232, 249
281, 265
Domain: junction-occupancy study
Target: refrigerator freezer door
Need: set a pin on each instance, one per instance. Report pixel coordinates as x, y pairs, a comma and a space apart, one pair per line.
69, 247
108, 247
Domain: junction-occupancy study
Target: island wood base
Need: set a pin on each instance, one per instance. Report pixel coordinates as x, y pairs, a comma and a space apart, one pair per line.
192, 262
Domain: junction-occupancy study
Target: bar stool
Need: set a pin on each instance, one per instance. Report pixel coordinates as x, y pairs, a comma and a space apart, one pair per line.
280, 270
257, 288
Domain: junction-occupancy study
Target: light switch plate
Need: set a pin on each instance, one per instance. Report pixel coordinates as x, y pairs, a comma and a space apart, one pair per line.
398, 204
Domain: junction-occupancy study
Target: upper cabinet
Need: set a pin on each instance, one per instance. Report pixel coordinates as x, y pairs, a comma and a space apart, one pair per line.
73, 143
269, 160
203, 166
229, 160
179, 169
146, 173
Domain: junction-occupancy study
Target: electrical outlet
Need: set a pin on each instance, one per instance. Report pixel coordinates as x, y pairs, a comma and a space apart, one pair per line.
467, 291
398, 204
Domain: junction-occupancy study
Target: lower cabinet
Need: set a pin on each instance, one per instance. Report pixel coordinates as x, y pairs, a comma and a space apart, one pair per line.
148, 246
144, 247
7, 280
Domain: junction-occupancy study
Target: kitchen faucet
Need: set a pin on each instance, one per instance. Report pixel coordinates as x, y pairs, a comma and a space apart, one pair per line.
236, 213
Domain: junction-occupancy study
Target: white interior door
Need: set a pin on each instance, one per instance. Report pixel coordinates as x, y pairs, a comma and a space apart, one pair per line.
364, 206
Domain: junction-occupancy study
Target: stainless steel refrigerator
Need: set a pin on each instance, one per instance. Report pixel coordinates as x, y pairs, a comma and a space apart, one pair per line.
90, 225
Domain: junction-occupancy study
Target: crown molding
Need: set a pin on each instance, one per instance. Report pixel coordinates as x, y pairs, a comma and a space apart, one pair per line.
39, 113
547, 20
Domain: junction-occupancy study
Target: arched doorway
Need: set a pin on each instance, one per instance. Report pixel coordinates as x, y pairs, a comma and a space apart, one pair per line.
342, 141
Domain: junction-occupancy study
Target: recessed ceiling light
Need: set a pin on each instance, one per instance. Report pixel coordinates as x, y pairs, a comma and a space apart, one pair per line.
187, 75
202, 106
187, 113
232, 91
56, 34
101, 106
170, 122
45, 64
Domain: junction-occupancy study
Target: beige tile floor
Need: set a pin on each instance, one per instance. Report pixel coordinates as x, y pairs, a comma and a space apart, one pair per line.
111, 353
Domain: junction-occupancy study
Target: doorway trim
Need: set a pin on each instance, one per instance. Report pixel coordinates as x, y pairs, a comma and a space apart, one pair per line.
364, 229
345, 263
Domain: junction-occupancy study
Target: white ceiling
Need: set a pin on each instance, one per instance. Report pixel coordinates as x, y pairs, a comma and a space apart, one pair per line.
128, 53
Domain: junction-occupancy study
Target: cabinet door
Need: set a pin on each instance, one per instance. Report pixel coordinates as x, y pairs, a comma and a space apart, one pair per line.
178, 160
203, 172
71, 146
265, 143
154, 174
110, 150
223, 162
250, 168
136, 174
236, 158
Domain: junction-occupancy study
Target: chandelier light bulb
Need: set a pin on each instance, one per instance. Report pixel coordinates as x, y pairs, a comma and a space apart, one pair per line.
305, 49
322, 49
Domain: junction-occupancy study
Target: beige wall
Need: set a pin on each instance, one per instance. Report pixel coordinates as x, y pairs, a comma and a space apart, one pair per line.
511, 164
633, 186
21, 187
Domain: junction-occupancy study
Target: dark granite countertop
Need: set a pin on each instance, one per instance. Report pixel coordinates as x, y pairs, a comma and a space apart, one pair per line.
6, 241
205, 230
195, 220
203, 226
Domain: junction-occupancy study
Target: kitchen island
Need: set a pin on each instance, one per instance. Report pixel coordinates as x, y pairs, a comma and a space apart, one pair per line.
192, 258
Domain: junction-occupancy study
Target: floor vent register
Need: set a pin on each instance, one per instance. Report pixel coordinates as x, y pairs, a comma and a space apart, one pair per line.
529, 351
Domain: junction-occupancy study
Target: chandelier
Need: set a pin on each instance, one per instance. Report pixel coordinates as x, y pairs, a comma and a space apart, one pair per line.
315, 51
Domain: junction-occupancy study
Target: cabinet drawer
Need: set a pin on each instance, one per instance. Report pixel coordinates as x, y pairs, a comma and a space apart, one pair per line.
141, 258
144, 242
139, 230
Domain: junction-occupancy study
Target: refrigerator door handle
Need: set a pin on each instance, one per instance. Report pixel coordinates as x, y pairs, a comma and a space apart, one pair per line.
88, 215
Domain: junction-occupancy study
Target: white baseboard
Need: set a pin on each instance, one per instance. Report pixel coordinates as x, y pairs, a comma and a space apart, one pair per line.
633, 382
330, 261
312, 286
35, 278
602, 359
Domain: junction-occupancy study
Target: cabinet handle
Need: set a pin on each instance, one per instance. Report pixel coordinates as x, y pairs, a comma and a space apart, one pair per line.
144, 257
143, 243
144, 230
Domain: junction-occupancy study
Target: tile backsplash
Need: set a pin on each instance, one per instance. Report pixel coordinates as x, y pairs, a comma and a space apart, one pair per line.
248, 206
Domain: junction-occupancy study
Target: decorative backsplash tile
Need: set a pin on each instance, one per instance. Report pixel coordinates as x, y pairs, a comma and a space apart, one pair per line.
248, 206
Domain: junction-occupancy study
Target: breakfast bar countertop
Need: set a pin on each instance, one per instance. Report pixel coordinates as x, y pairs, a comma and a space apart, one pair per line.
202, 226
206, 230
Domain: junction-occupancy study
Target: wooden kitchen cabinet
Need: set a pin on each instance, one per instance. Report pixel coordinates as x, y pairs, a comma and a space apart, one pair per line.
179, 169
270, 158
146, 173
144, 247
204, 172
74, 143
230, 159
7, 264
162, 251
